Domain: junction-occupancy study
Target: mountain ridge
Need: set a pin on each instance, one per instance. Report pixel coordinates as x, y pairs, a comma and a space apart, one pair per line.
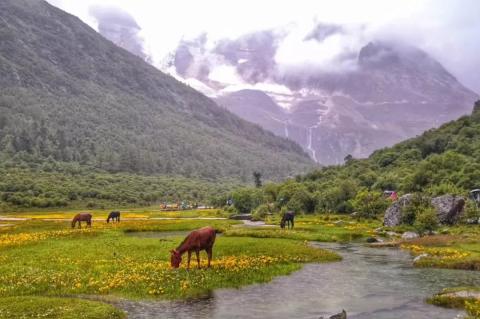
72, 95
388, 92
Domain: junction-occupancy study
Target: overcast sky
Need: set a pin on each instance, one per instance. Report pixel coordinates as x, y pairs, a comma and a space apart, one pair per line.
449, 30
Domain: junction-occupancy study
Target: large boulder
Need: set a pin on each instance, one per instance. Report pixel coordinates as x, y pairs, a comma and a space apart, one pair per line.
393, 215
449, 208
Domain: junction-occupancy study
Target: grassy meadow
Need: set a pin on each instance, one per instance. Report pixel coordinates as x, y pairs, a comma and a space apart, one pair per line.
43, 262
49, 270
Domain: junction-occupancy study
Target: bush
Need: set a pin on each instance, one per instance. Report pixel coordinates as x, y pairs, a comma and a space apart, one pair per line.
246, 199
369, 204
91, 205
230, 210
418, 203
471, 211
261, 212
444, 188
426, 221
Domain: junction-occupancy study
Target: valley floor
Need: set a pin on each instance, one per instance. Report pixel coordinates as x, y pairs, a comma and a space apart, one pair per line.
43, 262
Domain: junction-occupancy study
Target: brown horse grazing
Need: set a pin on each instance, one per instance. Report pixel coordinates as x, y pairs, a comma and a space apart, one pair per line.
197, 240
82, 217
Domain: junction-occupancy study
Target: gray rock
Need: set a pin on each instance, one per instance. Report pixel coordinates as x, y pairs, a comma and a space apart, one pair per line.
393, 214
449, 208
410, 235
341, 315
392, 234
419, 257
339, 223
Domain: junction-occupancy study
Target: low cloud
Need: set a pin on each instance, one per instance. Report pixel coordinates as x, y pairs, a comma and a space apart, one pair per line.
119, 27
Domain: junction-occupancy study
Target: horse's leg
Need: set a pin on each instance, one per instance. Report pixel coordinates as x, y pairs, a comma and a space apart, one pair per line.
209, 253
197, 252
79, 225
292, 223
188, 261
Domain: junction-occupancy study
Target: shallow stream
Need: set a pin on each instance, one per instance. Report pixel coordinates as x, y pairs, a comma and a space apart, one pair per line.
369, 283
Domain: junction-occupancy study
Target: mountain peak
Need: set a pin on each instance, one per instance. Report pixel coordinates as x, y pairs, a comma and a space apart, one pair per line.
71, 95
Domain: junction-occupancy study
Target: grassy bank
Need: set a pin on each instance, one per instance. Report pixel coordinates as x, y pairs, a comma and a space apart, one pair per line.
48, 259
325, 228
66, 308
467, 298
458, 249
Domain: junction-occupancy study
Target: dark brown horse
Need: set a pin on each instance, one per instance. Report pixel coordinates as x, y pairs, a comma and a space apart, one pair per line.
287, 219
114, 216
197, 240
82, 217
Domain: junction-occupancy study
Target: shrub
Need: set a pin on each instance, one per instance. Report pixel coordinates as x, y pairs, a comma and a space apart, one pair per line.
91, 205
418, 203
426, 220
444, 188
471, 211
369, 204
230, 210
261, 212
246, 199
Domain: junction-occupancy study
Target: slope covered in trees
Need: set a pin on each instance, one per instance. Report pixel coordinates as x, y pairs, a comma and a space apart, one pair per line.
440, 161
69, 95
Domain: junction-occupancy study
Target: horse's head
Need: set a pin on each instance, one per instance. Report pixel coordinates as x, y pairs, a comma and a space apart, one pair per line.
282, 223
175, 258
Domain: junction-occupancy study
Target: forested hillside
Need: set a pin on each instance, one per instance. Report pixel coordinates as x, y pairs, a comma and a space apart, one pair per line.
440, 161
69, 95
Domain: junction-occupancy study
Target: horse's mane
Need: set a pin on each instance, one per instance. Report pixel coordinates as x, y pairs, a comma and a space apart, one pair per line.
183, 242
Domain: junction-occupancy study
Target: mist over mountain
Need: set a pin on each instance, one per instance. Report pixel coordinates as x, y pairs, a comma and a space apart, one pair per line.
339, 98
69, 95
121, 28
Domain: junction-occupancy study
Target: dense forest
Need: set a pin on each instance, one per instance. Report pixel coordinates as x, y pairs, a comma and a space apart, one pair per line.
69, 95
440, 161
61, 185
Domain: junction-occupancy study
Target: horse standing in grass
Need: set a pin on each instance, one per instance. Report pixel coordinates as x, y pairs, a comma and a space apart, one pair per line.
114, 216
82, 217
287, 219
197, 240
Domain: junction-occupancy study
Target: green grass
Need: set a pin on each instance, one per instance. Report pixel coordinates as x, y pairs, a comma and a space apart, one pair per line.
130, 213
458, 248
46, 258
448, 299
65, 308
313, 228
